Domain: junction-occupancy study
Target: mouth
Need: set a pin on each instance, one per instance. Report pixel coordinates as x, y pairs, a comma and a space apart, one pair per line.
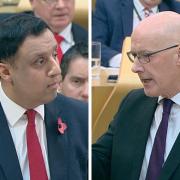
62, 15
54, 85
145, 81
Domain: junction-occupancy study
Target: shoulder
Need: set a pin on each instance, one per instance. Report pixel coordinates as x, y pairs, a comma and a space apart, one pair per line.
71, 104
171, 5
114, 3
77, 27
72, 111
4, 16
136, 99
79, 33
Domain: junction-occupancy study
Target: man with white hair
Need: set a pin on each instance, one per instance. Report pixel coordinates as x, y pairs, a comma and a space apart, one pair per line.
143, 141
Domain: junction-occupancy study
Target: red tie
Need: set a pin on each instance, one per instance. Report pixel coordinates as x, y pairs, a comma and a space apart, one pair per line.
59, 39
36, 162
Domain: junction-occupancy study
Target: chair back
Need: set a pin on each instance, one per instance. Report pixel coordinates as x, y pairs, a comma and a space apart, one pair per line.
125, 73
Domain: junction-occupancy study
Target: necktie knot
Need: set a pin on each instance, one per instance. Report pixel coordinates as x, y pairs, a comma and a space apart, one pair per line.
58, 38
167, 104
147, 12
31, 113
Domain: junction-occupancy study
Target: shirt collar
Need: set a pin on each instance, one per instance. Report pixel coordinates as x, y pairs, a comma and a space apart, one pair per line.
140, 7
175, 99
13, 111
66, 33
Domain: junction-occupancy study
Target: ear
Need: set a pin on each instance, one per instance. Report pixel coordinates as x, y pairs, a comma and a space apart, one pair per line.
5, 72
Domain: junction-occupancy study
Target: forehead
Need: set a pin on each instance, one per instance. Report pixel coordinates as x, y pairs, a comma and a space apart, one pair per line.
145, 40
54, 1
79, 66
41, 42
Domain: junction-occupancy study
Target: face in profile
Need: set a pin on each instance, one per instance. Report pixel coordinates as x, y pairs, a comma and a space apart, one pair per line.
75, 83
56, 13
156, 75
35, 73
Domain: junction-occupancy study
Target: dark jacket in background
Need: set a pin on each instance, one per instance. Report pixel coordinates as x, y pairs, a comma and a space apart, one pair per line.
113, 20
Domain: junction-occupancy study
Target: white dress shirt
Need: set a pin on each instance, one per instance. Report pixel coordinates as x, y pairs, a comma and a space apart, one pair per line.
17, 122
172, 132
115, 61
68, 38
140, 9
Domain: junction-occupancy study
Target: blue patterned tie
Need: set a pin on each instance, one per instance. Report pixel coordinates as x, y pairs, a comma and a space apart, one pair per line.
157, 155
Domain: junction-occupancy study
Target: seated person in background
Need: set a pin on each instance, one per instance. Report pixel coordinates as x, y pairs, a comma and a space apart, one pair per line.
113, 20
143, 140
74, 71
59, 16
43, 135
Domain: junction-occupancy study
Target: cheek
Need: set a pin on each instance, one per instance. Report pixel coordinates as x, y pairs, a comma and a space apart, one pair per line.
71, 10
73, 89
29, 80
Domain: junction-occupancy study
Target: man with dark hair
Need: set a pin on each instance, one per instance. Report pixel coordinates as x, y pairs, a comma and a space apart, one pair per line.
59, 16
74, 71
37, 135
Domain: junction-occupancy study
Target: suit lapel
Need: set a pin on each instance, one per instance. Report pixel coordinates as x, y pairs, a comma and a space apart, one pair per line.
142, 129
74, 33
127, 22
79, 33
172, 161
8, 157
57, 144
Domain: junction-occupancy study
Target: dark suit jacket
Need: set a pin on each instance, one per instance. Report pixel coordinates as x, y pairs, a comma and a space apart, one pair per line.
113, 21
79, 33
119, 153
67, 153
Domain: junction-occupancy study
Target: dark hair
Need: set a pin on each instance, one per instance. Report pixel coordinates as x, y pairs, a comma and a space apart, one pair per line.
78, 50
13, 32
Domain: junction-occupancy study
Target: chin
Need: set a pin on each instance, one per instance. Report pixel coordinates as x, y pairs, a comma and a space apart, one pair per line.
151, 93
60, 25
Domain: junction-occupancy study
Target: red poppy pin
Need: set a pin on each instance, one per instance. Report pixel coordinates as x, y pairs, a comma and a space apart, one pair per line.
61, 126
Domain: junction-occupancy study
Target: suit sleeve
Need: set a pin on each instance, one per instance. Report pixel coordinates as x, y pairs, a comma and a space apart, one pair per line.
100, 31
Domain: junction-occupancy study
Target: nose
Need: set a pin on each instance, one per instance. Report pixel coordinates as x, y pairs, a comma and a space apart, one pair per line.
85, 92
137, 67
54, 68
60, 3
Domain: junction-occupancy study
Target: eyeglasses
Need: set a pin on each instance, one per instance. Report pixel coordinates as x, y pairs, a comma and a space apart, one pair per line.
145, 57
52, 2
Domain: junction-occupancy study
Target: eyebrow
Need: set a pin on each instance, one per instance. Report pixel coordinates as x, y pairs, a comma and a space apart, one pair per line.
78, 77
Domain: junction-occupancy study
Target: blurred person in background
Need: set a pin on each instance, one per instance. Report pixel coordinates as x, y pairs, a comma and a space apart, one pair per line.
74, 71
59, 14
114, 20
